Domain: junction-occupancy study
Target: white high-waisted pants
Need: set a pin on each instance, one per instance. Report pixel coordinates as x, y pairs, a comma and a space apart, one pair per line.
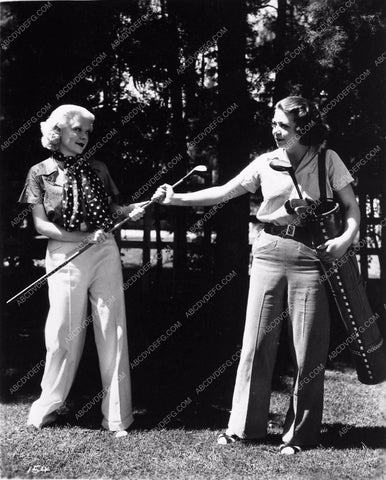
96, 275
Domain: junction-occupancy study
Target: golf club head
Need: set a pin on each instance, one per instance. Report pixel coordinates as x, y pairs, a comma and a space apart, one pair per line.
200, 168
280, 165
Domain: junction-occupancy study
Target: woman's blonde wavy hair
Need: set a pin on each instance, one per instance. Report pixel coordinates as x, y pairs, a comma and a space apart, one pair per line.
51, 128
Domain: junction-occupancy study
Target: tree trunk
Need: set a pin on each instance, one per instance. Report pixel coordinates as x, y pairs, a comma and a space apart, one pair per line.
383, 242
280, 49
178, 130
232, 250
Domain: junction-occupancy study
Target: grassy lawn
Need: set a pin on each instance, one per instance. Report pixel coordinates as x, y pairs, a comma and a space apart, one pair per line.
352, 445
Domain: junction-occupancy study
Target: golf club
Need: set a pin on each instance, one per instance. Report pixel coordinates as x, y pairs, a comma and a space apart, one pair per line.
283, 166
198, 168
40, 281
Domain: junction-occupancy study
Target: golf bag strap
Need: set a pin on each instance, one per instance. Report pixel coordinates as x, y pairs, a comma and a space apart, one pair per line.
322, 174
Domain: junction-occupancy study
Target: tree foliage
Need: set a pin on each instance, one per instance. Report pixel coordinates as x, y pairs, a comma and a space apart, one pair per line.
161, 63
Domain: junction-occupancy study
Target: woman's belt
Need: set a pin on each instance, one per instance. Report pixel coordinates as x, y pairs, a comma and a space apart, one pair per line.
300, 234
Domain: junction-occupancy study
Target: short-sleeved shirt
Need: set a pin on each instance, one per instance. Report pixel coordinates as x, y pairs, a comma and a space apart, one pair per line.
44, 185
277, 187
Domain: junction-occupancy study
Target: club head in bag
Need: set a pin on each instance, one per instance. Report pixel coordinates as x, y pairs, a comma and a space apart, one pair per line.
284, 166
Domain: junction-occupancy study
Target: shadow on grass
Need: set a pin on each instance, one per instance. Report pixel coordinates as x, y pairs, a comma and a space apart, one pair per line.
202, 415
342, 436
337, 435
197, 417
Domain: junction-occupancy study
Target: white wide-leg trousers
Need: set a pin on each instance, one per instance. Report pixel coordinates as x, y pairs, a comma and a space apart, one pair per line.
96, 275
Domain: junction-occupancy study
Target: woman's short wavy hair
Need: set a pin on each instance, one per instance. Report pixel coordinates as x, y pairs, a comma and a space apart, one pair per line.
51, 128
309, 123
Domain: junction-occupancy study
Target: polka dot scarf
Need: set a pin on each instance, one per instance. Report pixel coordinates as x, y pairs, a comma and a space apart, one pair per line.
84, 197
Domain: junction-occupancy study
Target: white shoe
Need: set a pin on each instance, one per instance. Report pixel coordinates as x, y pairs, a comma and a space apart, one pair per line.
285, 449
48, 419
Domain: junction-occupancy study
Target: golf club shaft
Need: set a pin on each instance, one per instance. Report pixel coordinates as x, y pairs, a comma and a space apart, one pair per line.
183, 178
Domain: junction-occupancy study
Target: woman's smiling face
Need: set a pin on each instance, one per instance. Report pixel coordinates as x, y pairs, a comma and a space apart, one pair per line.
284, 130
75, 135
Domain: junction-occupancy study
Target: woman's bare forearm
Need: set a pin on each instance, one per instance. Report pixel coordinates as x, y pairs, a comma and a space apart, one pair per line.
51, 230
352, 214
208, 196
352, 221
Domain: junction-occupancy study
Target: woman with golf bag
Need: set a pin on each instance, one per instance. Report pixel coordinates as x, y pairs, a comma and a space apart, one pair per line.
72, 205
285, 276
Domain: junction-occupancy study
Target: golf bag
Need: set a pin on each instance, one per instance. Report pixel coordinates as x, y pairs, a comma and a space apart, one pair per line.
364, 338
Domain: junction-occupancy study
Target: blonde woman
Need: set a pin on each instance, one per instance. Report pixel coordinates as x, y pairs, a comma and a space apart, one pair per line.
71, 200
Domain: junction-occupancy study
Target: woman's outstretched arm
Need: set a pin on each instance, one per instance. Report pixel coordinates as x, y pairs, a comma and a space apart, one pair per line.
206, 197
